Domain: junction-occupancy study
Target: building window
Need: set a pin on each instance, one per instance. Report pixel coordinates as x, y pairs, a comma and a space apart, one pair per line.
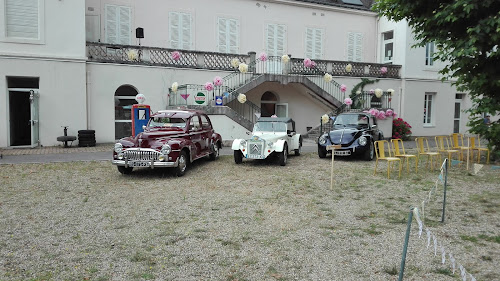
180, 31
388, 46
314, 43
275, 39
355, 46
24, 20
429, 54
429, 109
118, 24
228, 35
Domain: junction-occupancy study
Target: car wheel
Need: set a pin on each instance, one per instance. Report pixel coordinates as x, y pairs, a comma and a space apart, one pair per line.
180, 170
321, 153
238, 157
297, 151
369, 154
214, 152
125, 171
283, 155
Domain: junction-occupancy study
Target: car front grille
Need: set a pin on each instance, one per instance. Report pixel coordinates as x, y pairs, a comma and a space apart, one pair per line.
255, 147
143, 154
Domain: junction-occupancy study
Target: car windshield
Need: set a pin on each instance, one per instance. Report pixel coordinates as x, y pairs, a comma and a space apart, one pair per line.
270, 127
351, 120
166, 122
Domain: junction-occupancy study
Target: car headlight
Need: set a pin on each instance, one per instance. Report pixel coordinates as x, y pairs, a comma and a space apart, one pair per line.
243, 143
362, 140
118, 147
322, 139
166, 149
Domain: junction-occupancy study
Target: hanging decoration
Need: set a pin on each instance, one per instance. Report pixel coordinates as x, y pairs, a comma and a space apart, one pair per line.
218, 81
243, 68
383, 70
209, 86
328, 77
348, 68
132, 55
285, 58
378, 93
324, 119
174, 87
343, 88
175, 55
348, 101
263, 56
235, 62
242, 98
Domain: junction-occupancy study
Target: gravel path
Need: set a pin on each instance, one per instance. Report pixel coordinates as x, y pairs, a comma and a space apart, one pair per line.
254, 221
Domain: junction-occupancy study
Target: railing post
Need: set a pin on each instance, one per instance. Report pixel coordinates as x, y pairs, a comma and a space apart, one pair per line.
445, 181
252, 59
405, 247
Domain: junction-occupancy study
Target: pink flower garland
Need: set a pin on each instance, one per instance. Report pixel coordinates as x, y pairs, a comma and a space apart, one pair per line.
218, 81
175, 55
209, 86
383, 70
343, 88
348, 101
263, 56
309, 63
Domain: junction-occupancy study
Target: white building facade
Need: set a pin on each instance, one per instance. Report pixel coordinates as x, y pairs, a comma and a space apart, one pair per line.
50, 76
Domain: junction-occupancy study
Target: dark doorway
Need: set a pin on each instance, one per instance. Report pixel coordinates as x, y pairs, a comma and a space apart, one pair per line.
20, 126
268, 104
124, 99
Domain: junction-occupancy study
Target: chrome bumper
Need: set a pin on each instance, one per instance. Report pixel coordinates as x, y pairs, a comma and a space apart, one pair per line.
149, 164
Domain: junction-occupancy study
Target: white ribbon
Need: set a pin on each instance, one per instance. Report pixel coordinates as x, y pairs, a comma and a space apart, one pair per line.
462, 272
472, 277
452, 259
443, 254
428, 237
435, 245
420, 225
423, 210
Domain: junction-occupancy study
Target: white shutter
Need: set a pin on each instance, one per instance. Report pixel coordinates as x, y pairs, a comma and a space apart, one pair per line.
124, 25
22, 18
186, 31
276, 39
280, 40
234, 36
318, 44
111, 24
174, 30
270, 38
309, 43
222, 35
355, 46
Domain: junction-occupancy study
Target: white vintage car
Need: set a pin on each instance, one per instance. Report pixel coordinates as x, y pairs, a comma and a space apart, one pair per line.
271, 136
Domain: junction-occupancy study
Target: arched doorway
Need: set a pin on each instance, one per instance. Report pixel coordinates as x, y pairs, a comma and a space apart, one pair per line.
269, 105
124, 99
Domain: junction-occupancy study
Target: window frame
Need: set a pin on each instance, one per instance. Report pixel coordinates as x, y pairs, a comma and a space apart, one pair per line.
429, 114
118, 23
227, 46
41, 26
429, 54
314, 33
180, 32
353, 48
384, 44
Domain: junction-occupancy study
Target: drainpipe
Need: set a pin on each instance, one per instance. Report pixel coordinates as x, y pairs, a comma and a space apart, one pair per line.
402, 90
87, 92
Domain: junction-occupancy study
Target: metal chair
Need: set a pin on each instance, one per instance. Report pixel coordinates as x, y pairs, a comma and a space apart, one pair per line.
399, 151
380, 150
457, 142
478, 148
423, 149
443, 146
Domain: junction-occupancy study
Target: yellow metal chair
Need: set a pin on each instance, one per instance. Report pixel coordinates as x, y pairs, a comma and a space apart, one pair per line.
457, 142
380, 150
399, 151
478, 148
423, 149
443, 146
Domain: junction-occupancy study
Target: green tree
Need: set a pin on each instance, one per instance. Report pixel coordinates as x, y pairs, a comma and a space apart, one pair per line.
467, 35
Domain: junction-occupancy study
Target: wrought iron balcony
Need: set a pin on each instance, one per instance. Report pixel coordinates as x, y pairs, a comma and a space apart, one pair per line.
142, 55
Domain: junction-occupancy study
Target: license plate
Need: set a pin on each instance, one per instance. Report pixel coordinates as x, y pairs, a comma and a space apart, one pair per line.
254, 156
139, 164
342, 152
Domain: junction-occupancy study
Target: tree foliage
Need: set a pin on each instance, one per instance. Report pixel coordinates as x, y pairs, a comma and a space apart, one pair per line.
467, 34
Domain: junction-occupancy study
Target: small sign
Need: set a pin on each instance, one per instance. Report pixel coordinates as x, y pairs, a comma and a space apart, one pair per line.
218, 100
200, 98
332, 147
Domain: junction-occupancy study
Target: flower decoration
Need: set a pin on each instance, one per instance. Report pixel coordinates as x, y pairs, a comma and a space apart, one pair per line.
243, 68
132, 55
348, 68
218, 81
400, 129
373, 111
358, 92
235, 62
313, 64
328, 77
174, 87
285, 58
389, 112
391, 92
381, 115
242, 98
263, 56
348, 101
209, 86
383, 70
378, 93
175, 55
372, 91
343, 88
274, 116
307, 62
324, 119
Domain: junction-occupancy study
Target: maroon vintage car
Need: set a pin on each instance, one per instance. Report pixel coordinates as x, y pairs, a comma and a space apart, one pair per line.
172, 138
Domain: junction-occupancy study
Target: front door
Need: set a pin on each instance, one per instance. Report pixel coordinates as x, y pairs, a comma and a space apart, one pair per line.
23, 108
457, 114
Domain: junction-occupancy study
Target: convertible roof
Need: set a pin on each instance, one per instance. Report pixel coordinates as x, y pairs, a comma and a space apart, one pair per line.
275, 119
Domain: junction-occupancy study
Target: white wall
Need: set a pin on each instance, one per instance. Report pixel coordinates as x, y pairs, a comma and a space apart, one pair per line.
62, 96
227, 128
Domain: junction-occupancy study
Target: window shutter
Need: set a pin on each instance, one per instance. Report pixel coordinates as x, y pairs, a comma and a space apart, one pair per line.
174, 30
222, 35
355, 46
318, 44
186, 31
234, 36
281, 40
270, 37
124, 27
22, 19
309, 43
350, 46
359, 47
111, 23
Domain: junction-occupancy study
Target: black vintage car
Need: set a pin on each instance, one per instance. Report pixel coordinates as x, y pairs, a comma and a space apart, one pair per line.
355, 132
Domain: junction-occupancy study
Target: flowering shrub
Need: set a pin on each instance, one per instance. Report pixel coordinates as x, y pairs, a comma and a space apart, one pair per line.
401, 129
